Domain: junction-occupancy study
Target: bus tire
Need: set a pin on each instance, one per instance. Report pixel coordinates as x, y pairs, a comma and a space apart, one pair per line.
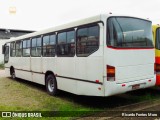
13, 75
51, 85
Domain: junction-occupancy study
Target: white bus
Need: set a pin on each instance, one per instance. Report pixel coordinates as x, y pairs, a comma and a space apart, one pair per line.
101, 55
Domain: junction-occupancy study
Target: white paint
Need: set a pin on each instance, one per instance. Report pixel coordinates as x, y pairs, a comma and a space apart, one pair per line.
130, 66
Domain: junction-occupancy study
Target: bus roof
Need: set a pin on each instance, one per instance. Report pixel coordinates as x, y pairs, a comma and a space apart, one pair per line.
84, 21
156, 26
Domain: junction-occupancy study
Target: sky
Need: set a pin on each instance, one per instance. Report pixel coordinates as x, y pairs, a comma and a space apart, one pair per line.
42, 14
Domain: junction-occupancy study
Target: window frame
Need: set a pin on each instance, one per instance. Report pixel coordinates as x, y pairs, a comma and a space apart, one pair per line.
26, 39
65, 31
55, 45
115, 47
13, 49
19, 48
35, 37
88, 26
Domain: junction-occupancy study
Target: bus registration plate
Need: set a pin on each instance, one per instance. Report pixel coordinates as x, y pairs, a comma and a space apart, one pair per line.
137, 86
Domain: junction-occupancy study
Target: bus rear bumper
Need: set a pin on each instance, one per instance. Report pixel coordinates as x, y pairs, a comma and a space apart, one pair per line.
113, 88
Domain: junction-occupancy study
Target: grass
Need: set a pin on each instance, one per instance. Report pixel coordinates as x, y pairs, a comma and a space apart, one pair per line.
1, 66
20, 95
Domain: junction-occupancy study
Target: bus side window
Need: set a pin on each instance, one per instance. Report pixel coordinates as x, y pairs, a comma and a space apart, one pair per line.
66, 44
36, 47
6, 54
12, 49
49, 42
71, 43
87, 40
26, 48
18, 48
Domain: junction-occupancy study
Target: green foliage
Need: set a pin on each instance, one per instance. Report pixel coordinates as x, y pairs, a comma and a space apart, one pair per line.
20, 95
1, 66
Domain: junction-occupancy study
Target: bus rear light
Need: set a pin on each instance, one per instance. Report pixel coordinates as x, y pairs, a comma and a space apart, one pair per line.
110, 71
97, 81
123, 85
156, 67
149, 80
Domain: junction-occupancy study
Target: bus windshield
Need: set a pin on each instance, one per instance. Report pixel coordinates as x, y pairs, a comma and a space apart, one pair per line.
125, 32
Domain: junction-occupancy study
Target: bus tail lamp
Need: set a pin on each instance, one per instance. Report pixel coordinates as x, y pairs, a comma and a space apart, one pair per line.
157, 67
123, 85
110, 71
97, 81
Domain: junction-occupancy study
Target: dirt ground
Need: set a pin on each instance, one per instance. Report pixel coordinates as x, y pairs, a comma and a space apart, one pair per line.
2, 73
153, 113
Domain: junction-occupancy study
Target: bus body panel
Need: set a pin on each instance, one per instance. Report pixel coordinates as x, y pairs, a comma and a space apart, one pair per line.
90, 89
26, 63
135, 65
157, 61
26, 68
157, 79
113, 88
36, 64
49, 64
24, 74
62, 65
137, 69
87, 75
67, 85
82, 69
90, 69
157, 52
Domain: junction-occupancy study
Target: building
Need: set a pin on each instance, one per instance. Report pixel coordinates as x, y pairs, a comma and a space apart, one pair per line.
6, 34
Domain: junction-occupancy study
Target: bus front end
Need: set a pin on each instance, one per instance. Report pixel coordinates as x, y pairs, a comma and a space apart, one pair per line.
129, 55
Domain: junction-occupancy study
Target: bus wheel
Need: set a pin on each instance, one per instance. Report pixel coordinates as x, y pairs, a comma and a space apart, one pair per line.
13, 75
51, 85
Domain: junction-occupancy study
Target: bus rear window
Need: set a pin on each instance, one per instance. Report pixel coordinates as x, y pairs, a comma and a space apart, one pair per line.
125, 32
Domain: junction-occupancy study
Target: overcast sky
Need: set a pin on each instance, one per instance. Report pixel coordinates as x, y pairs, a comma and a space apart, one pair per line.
41, 14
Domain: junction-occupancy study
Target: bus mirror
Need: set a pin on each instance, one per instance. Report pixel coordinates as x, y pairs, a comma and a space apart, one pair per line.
3, 49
